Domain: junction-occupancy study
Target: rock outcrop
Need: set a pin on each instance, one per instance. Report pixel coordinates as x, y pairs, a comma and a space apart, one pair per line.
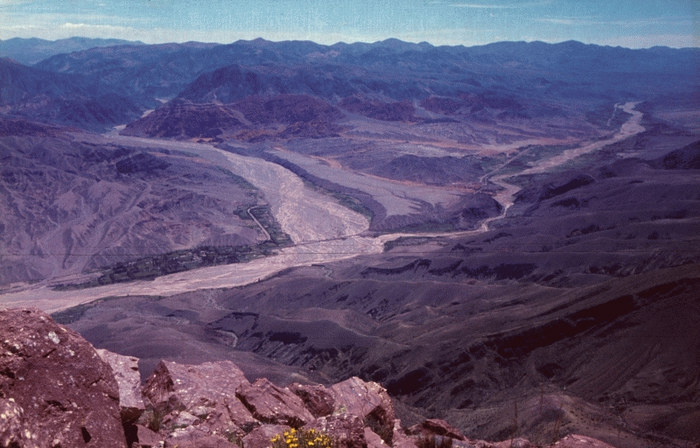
201, 397
370, 402
271, 404
57, 391
317, 399
579, 441
126, 372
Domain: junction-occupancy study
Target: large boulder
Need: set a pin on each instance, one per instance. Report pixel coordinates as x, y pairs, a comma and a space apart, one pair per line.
261, 436
346, 430
373, 440
317, 398
193, 437
55, 391
126, 372
145, 438
272, 404
370, 402
579, 441
198, 395
401, 439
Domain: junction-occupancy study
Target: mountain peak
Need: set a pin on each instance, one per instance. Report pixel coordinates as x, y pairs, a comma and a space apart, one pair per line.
396, 44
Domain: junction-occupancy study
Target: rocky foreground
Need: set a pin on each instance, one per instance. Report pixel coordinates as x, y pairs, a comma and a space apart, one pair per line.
58, 391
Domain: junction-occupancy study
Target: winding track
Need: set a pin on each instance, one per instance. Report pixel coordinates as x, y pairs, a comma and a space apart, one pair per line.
260, 226
322, 230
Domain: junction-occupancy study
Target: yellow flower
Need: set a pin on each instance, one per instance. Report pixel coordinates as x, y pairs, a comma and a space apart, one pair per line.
293, 438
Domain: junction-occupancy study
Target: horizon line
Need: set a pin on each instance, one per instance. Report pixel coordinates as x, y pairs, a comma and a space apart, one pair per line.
341, 42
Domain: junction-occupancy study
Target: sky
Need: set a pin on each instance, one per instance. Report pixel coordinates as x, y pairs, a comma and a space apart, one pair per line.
627, 23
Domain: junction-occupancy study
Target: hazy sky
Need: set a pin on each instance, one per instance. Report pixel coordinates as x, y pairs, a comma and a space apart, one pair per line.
629, 23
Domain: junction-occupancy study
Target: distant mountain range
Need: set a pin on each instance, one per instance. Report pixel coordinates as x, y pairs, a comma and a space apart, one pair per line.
32, 50
389, 80
57, 98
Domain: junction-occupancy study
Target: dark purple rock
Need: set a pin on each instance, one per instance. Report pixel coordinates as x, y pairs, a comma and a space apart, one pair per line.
370, 402
11, 427
55, 386
348, 431
373, 440
202, 395
260, 437
192, 437
317, 399
147, 438
271, 404
524, 443
126, 372
579, 441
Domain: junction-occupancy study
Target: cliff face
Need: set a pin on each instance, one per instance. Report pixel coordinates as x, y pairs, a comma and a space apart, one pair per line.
57, 391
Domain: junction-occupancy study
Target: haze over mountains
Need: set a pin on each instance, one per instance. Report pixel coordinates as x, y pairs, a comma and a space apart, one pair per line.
470, 227
31, 51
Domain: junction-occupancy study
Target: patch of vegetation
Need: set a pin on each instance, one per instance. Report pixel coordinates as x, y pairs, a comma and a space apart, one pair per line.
277, 236
150, 267
302, 438
434, 226
407, 241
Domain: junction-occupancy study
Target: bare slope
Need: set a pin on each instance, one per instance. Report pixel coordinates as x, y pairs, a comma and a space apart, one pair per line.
69, 206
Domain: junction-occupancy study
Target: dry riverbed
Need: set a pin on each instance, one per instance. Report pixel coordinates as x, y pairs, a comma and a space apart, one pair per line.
322, 230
